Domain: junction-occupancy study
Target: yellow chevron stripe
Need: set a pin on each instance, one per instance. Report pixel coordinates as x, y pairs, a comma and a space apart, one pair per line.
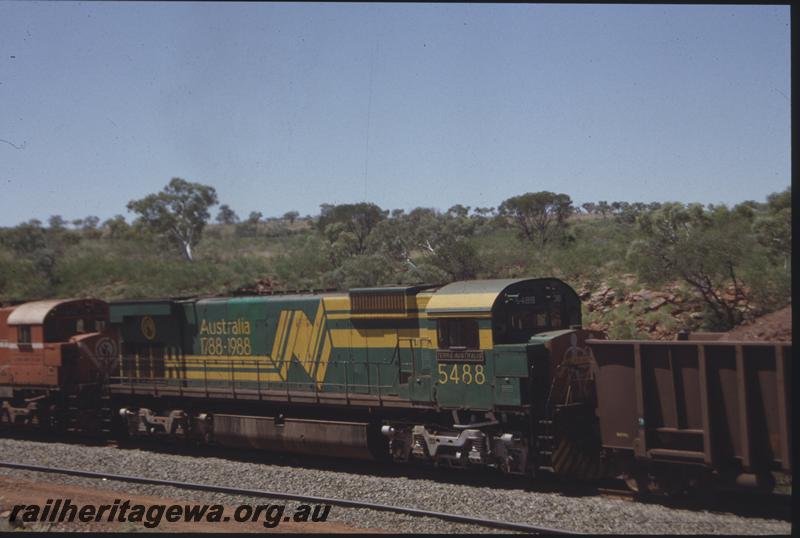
279, 334
324, 360
317, 333
295, 342
303, 342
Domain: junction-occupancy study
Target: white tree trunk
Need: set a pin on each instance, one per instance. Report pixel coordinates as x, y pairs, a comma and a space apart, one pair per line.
187, 250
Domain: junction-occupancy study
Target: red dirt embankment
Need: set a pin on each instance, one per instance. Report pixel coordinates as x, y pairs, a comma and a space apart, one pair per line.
776, 326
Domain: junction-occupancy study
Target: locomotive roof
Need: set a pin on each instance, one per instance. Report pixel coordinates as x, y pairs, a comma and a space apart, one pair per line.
474, 295
34, 313
468, 296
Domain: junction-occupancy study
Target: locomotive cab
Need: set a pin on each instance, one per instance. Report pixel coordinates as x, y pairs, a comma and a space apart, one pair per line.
53, 356
530, 307
51, 343
485, 331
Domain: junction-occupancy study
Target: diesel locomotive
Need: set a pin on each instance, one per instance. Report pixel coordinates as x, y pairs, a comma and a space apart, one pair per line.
492, 373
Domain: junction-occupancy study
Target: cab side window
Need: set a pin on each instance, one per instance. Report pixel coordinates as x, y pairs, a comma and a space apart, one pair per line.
24, 334
458, 333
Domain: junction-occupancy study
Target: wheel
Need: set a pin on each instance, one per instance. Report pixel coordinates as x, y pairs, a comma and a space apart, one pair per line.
634, 482
5, 418
640, 482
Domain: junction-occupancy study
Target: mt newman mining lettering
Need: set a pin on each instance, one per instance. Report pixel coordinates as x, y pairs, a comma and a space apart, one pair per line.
225, 326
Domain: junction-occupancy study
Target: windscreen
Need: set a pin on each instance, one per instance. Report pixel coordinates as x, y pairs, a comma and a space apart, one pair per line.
534, 306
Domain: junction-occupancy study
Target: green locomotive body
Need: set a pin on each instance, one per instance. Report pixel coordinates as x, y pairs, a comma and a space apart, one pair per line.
461, 346
439, 370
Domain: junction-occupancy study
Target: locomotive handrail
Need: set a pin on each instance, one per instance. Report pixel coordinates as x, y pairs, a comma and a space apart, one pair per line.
134, 377
151, 380
396, 353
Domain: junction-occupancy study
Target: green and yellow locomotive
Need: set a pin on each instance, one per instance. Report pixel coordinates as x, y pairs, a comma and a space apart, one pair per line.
485, 372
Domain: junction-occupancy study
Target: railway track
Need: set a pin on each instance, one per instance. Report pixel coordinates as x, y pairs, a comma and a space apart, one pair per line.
607, 487
345, 503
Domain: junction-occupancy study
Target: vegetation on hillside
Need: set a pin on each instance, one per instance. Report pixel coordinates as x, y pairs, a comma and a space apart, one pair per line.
731, 263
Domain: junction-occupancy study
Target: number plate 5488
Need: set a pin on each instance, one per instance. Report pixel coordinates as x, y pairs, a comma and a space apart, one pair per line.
461, 373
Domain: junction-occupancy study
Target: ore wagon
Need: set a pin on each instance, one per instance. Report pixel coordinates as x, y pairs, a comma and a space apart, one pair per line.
683, 411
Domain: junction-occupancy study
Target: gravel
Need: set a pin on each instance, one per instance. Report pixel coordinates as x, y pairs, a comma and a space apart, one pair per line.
594, 514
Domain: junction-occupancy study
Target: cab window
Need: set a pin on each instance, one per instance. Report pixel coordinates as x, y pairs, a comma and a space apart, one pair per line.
24, 334
458, 333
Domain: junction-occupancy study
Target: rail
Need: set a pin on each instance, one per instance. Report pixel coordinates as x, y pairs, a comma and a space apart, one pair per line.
346, 503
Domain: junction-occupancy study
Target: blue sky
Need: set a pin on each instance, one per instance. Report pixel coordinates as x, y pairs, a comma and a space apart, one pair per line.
287, 106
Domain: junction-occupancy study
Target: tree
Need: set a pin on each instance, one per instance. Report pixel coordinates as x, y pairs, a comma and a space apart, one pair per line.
226, 215
249, 228
179, 212
26, 238
773, 228
88, 226
703, 249
350, 223
747, 209
56, 222
363, 270
618, 207
426, 245
538, 216
628, 213
91, 222
458, 210
116, 227
38, 246
291, 216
